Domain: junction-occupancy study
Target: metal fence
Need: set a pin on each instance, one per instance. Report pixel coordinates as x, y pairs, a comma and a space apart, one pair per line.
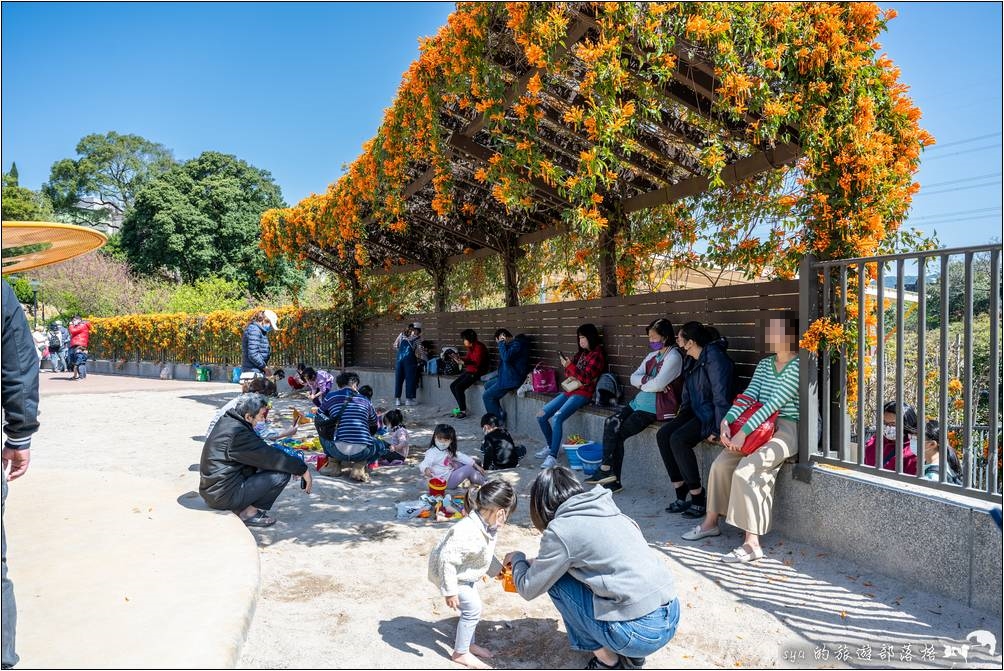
896, 346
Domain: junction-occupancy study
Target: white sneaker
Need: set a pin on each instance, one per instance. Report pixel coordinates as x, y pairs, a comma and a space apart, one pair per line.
397, 403
411, 402
542, 452
549, 462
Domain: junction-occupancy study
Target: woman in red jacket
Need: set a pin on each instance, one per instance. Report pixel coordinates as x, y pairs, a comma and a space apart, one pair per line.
475, 365
80, 337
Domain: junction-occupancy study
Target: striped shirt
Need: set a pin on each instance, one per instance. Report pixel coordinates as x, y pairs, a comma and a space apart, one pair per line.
777, 391
354, 426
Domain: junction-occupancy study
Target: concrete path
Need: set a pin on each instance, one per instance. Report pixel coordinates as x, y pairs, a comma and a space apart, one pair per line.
113, 567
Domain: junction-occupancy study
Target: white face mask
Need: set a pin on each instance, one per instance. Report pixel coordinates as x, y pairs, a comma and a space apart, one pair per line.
889, 432
442, 444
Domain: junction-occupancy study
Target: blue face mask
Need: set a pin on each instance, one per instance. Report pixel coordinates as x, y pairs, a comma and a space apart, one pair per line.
266, 328
655, 346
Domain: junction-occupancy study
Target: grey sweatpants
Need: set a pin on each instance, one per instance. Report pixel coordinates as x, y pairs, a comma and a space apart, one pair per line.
470, 614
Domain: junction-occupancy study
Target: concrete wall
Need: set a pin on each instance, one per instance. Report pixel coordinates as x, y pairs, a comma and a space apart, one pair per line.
939, 542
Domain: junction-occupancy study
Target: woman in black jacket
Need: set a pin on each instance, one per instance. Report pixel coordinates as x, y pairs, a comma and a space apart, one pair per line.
242, 473
707, 396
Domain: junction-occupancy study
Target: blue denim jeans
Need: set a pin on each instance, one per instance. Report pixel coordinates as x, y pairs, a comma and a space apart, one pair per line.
561, 407
406, 375
371, 453
632, 638
491, 396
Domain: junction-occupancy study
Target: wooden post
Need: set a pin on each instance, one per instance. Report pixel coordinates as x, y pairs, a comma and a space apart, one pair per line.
509, 258
608, 252
441, 292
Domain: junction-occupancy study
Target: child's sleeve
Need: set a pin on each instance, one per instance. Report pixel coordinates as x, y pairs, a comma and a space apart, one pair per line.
489, 450
465, 458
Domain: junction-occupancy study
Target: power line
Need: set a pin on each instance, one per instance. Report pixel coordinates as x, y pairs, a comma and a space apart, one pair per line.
959, 213
957, 181
934, 224
958, 188
968, 151
966, 141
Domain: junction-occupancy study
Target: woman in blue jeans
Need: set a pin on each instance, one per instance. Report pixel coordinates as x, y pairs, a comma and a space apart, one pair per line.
586, 366
616, 595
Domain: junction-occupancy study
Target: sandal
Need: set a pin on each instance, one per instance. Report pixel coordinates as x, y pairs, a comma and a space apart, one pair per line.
678, 506
695, 512
742, 556
260, 519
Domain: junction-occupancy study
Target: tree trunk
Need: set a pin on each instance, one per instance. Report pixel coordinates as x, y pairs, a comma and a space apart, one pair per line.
512, 254
439, 274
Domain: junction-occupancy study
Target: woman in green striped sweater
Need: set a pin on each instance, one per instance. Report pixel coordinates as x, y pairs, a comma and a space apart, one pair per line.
742, 488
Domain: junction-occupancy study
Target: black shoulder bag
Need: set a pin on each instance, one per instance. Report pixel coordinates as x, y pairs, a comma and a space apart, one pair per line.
326, 426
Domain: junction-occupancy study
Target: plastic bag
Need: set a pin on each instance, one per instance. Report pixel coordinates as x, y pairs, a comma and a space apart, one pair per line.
407, 510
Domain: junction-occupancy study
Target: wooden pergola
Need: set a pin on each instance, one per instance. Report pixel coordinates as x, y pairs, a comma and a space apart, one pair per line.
663, 166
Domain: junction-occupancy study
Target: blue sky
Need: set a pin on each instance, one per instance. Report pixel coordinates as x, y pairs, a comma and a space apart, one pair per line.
296, 88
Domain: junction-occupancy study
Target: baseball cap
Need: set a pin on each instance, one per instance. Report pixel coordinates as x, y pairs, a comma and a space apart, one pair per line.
272, 318
416, 325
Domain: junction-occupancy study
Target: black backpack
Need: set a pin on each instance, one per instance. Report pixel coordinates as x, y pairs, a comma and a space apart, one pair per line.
449, 365
55, 342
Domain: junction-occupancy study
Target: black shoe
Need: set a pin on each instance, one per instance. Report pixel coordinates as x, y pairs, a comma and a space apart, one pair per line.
600, 477
631, 662
678, 506
595, 663
616, 487
695, 512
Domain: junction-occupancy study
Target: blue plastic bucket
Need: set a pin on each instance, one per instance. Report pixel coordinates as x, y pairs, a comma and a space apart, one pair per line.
591, 450
572, 454
590, 466
235, 376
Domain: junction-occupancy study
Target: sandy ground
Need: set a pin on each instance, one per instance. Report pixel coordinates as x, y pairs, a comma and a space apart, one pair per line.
344, 584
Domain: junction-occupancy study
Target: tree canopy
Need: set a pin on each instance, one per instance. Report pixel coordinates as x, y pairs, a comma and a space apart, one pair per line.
22, 204
201, 218
111, 168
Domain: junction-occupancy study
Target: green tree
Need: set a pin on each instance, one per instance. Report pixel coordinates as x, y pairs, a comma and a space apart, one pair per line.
957, 291
21, 204
110, 169
201, 218
206, 295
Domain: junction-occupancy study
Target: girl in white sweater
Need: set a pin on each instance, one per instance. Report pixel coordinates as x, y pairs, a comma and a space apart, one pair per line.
464, 556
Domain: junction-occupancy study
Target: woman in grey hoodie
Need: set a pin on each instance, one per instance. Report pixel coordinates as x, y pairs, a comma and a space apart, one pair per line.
616, 595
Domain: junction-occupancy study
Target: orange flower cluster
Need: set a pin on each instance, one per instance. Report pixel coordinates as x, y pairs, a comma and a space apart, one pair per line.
808, 72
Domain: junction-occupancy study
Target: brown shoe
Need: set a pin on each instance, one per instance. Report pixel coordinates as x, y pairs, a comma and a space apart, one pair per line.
333, 468
358, 472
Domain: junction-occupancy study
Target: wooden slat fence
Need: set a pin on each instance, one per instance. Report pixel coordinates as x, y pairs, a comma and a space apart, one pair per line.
734, 310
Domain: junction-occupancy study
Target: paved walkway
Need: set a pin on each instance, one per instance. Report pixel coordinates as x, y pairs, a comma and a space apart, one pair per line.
114, 567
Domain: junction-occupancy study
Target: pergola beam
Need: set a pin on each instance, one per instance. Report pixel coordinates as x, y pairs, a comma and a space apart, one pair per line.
782, 154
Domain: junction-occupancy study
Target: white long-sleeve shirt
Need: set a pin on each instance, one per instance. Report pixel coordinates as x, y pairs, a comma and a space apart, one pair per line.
672, 366
442, 463
464, 555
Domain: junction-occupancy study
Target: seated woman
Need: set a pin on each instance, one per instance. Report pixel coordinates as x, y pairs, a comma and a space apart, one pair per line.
616, 594
585, 366
514, 358
357, 424
656, 372
707, 395
742, 487
475, 365
889, 440
932, 454
242, 473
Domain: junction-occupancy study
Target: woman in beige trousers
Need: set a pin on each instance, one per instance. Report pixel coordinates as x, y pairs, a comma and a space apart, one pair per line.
742, 487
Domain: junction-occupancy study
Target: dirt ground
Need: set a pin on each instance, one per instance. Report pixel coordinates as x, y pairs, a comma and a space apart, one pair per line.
343, 583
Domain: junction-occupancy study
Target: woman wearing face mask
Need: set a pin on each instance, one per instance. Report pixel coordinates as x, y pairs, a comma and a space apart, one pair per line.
889, 440
660, 368
932, 455
255, 349
707, 395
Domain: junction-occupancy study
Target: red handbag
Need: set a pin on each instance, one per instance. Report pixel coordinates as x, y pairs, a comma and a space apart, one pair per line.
544, 379
667, 401
760, 435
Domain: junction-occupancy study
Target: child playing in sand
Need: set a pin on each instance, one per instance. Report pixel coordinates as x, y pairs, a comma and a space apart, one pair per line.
319, 382
443, 461
498, 448
396, 437
464, 556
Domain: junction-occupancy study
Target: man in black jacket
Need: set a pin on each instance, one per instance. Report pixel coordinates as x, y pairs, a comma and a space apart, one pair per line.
240, 471
19, 391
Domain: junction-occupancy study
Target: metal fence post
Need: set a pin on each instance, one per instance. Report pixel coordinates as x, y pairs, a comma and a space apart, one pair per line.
808, 371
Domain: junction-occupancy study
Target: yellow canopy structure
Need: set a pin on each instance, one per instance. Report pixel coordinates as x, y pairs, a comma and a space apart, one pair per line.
32, 244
